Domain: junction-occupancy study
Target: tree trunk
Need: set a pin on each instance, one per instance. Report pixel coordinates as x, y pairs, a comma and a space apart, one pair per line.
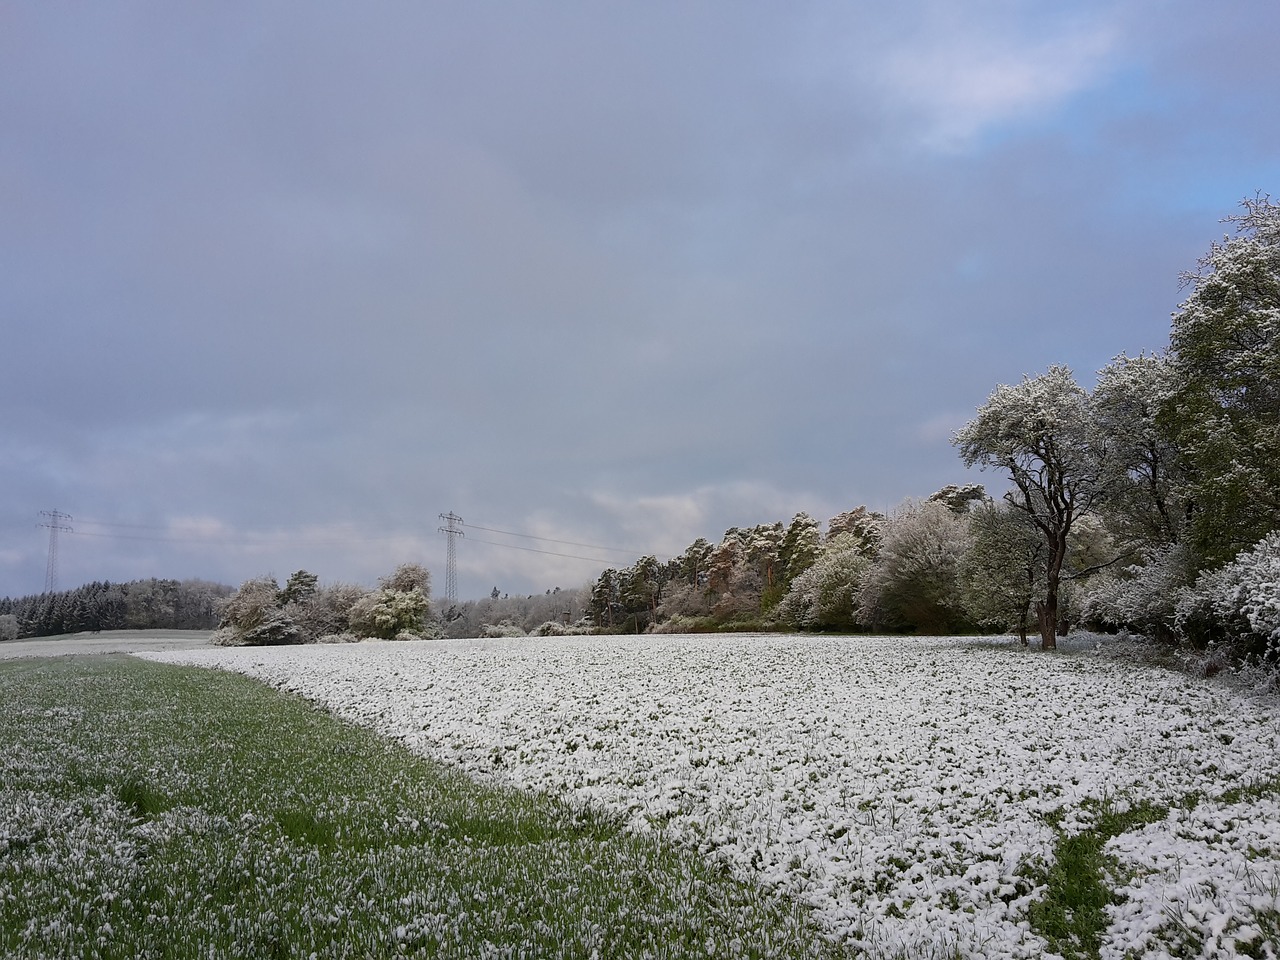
1047, 609
1047, 614
1023, 617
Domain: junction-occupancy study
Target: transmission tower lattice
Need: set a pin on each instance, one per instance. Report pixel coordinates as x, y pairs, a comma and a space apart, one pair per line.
452, 531
54, 523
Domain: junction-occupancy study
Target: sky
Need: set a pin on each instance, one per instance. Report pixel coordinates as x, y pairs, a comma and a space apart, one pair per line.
281, 283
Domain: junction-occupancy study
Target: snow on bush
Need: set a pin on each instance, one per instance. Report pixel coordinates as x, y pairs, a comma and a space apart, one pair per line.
338, 638
1144, 598
909, 789
1241, 598
251, 617
387, 613
503, 629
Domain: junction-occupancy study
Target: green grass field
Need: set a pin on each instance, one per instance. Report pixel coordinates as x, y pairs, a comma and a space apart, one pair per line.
154, 811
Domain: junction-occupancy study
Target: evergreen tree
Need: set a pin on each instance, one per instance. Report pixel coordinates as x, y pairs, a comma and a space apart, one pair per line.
799, 549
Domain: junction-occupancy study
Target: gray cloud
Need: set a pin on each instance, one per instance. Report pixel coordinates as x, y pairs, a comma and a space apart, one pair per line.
619, 274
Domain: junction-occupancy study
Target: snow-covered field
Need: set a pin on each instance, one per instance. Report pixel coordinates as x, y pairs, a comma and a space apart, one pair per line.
909, 789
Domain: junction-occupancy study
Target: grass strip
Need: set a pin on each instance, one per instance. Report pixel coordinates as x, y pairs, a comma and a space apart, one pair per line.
154, 811
1072, 915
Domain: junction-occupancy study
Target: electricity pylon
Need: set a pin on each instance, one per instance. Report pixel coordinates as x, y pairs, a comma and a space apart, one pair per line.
451, 531
54, 523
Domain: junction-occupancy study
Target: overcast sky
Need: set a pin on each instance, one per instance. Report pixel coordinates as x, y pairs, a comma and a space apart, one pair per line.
281, 283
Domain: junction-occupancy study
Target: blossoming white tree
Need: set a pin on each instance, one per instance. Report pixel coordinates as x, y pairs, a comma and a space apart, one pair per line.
913, 583
1041, 432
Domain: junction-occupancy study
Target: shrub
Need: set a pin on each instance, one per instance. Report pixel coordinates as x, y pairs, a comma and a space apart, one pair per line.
225, 637
1238, 602
683, 624
385, 613
247, 606
252, 618
497, 631
1142, 598
914, 582
326, 611
275, 629
338, 638
825, 596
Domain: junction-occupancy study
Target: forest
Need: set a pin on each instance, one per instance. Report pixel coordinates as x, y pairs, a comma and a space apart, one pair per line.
138, 605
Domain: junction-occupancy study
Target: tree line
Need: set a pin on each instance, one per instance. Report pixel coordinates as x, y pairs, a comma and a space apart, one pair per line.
262, 613
555, 612
1150, 503
137, 605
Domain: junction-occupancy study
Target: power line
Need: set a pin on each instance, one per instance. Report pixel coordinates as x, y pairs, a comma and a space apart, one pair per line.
458, 522
130, 526
245, 541
567, 543
454, 528
549, 553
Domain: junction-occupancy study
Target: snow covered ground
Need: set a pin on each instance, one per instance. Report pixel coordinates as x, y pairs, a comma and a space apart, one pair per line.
113, 641
907, 788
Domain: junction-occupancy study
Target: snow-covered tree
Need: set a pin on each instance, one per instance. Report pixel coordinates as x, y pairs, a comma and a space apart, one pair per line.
1144, 504
1225, 407
800, 548
913, 584
861, 523
961, 497
398, 609
743, 573
725, 558
1041, 433
825, 595
407, 577
299, 588
604, 605
325, 612
253, 617
764, 552
387, 614
692, 566
641, 592
568, 607
1002, 571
